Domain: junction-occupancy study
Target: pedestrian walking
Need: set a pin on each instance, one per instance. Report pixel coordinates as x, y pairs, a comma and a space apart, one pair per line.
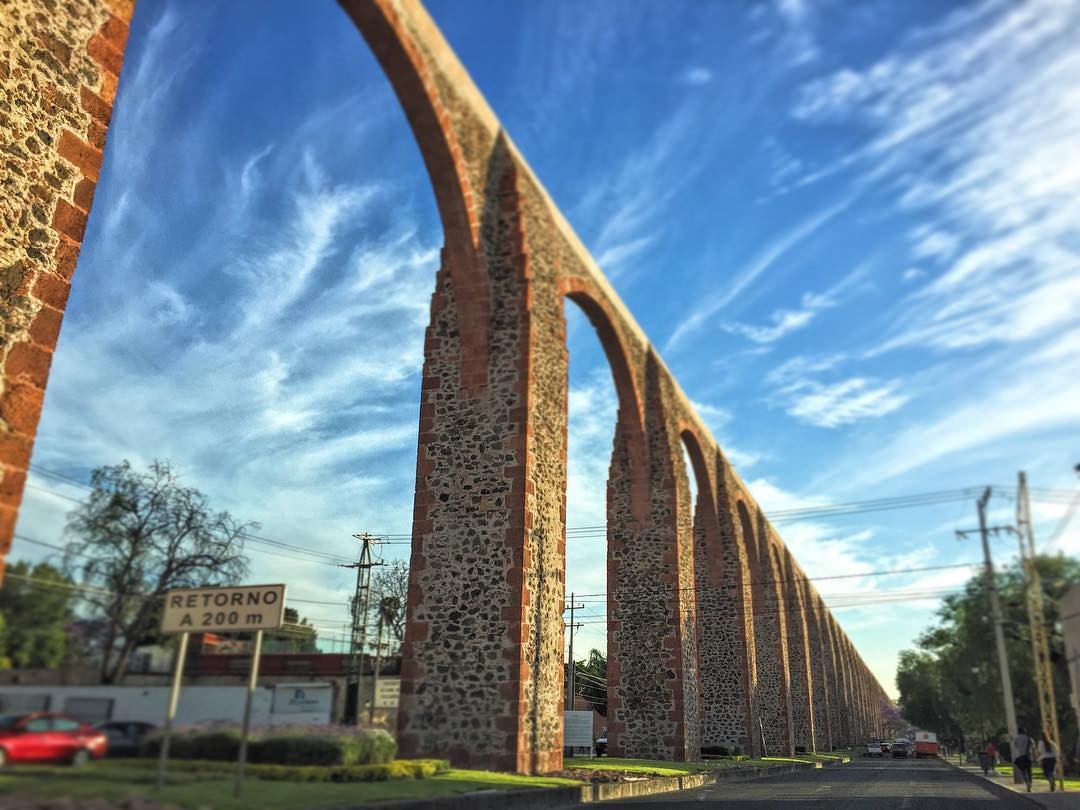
1021, 746
1046, 753
991, 749
986, 758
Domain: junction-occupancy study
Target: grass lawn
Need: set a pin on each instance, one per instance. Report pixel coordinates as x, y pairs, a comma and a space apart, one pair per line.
1037, 776
107, 781
646, 767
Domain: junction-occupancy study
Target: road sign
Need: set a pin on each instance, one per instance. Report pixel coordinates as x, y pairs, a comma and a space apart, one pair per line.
241, 609
577, 729
387, 693
238, 610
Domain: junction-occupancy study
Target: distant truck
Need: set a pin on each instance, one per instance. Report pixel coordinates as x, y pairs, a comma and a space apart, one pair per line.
926, 744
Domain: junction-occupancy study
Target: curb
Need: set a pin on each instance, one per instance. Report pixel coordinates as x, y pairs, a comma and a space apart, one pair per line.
1000, 790
526, 799
554, 798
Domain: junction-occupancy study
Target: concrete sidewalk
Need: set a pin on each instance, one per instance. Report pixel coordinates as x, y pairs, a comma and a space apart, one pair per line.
1040, 788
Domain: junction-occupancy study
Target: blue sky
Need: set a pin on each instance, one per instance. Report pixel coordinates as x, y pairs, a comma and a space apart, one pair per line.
852, 231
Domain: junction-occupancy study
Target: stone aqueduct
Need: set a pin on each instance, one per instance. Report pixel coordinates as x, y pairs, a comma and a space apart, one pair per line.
715, 636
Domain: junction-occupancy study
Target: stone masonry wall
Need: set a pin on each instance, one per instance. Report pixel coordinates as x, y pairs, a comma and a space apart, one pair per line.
799, 665
59, 70
820, 671
699, 622
719, 569
770, 694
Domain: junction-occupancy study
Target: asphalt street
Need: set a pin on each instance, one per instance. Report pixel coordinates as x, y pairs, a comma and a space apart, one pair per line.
911, 784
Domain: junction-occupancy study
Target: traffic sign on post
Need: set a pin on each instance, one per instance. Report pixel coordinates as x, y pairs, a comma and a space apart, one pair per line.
239, 609
243, 609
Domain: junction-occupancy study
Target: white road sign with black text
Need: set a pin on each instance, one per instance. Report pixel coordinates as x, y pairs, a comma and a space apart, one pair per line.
221, 610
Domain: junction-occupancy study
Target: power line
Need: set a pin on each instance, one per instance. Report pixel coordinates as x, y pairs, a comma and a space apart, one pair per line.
599, 531
782, 581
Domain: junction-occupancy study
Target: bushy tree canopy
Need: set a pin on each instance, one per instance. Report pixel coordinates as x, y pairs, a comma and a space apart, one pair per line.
952, 684
35, 609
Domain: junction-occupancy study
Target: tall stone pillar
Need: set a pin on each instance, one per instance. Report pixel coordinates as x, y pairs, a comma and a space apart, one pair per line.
487, 525
799, 666
719, 567
726, 627
58, 82
835, 675
857, 693
820, 670
845, 705
770, 695
653, 707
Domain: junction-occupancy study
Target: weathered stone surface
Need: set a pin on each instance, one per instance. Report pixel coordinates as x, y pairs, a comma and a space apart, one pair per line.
714, 637
59, 65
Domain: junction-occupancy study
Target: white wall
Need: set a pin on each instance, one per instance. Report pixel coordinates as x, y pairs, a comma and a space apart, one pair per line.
197, 703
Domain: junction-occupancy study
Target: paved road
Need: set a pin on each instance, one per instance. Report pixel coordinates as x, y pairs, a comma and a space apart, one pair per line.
922, 784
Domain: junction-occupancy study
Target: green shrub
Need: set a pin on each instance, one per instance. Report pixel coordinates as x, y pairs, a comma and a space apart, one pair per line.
295, 749
284, 745
397, 769
211, 742
375, 746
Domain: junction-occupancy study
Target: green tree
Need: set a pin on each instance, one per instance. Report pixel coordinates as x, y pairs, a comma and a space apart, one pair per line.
923, 696
138, 536
35, 609
592, 679
954, 681
295, 635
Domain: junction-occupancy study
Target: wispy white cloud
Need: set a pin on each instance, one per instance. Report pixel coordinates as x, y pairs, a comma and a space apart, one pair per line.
970, 121
696, 76
1038, 394
775, 251
797, 389
783, 321
273, 352
789, 27
842, 403
631, 200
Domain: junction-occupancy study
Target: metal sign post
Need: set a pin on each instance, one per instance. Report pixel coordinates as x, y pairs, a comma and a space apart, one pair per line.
243, 609
253, 677
170, 712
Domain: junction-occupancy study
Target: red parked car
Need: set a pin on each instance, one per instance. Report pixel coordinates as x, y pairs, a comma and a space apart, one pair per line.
42, 737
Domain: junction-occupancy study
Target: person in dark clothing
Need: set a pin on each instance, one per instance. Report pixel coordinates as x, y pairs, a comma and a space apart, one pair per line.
1022, 755
1046, 753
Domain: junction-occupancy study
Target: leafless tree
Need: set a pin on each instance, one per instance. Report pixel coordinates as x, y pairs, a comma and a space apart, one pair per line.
139, 535
390, 587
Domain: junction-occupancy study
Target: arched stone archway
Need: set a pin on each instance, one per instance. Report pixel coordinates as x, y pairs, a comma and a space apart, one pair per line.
482, 664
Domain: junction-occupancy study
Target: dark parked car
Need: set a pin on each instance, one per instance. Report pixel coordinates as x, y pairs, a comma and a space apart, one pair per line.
900, 748
601, 743
125, 737
43, 737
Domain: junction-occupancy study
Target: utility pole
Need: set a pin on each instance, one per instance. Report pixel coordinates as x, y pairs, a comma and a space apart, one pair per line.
361, 604
570, 679
995, 606
1040, 642
375, 672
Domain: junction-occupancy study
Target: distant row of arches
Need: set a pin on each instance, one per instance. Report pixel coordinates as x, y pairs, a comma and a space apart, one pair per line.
715, 638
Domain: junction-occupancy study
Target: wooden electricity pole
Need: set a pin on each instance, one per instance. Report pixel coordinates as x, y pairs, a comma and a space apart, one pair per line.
995, 606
